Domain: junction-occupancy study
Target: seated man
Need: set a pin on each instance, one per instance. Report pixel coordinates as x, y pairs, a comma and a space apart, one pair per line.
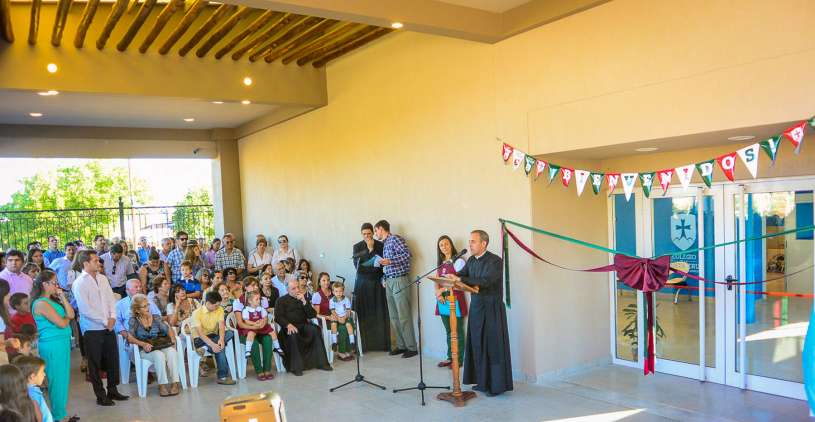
302, 340
209, 330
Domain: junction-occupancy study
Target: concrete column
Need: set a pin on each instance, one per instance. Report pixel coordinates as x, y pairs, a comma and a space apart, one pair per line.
226, 186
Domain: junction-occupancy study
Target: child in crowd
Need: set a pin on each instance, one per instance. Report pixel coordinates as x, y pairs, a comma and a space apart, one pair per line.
33, 369
14, 394
340, 307
267, 290
226, 297
23, 343
32, 269
217, 277
256, 315
21, 326
191, 285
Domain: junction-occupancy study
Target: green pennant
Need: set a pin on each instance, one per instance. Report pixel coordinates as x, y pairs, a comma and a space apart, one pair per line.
770, 146
812, 122
596, 182
553, 170
705, 169
529, 164
646, 180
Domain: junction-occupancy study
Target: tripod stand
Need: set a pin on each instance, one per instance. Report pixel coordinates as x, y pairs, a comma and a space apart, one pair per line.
359, 377
421, 386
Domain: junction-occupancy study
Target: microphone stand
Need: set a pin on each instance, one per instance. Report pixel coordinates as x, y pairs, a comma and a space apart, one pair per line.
421, 386
359, 377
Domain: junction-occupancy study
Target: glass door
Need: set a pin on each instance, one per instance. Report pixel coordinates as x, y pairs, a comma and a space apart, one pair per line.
767, 322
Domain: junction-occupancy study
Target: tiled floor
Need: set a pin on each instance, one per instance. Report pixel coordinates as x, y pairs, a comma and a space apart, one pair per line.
607, 393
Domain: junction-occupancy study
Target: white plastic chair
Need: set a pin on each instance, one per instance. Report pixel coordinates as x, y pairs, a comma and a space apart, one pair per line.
240, 350
326, 325
179, 352
142, 365
194, 359
124, 360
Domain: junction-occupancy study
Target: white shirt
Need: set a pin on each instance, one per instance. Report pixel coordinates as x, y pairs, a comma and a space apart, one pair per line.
256, 260
248, 310
341, 307
95, 301
282, 286
237, 306
279, 255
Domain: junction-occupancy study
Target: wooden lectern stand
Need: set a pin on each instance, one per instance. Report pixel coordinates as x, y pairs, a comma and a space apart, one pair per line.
458, 398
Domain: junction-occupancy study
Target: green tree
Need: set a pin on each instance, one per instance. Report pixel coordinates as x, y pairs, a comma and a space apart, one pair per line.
32, 212
196, 220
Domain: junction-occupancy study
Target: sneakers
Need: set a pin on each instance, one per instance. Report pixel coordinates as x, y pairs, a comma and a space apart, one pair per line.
248, 353
226, 381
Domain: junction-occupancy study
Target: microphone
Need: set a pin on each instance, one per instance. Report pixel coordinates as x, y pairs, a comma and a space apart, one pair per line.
460, 254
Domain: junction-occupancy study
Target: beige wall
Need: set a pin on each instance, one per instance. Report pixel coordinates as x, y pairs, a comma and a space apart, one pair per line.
409, 135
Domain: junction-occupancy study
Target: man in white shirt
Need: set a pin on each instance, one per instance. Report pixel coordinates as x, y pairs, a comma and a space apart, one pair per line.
97, 310
117, 268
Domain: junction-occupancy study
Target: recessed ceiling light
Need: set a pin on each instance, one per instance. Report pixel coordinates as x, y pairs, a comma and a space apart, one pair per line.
741, 138
35, 114
397, 25
247, 81
217, 102
646, 149
246, 102
52, 68
189, 119
47, 93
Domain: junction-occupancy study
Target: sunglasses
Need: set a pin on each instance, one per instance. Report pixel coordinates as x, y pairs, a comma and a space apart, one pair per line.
183, 239
282, 241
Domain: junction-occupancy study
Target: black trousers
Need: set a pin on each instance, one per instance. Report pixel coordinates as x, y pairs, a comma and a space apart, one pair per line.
102, 353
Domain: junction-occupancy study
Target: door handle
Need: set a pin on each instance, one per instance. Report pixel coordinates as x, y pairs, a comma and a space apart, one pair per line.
730, 279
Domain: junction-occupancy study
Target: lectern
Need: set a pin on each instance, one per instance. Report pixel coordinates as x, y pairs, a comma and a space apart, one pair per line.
457, 397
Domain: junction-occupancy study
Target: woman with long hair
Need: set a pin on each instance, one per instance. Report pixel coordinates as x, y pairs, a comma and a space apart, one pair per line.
160, 295
445, 251
209, 256
194, 255
180, 306
53, 314
150, 270
14, 394
35, 255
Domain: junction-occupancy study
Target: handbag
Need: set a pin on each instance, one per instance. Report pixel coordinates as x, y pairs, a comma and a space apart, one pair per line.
160, 342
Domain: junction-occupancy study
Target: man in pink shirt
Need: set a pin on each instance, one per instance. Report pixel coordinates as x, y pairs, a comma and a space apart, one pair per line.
18, 281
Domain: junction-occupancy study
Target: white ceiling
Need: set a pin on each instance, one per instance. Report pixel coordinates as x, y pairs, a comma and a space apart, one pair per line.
498, 6
79, 109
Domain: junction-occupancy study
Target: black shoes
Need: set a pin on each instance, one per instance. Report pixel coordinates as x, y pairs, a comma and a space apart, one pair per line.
327, 368
115, 395
104, 401
409, 354
397, 352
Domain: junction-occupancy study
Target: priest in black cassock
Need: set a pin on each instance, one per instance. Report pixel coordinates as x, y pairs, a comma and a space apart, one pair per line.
487, 363
302, 341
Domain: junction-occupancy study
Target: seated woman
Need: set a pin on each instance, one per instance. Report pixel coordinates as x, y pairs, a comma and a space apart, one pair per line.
180, 306
261, 350
268, 291
320, 299
160, 294
305, 286
150, 270
231, 277
156, 341
226, 297
304, 267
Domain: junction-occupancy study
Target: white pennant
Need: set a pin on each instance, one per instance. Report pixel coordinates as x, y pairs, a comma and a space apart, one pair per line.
685, 174
749, 155
580, 178
518, 157
629, 180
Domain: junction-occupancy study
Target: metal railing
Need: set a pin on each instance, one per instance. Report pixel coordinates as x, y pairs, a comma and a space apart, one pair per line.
19, 228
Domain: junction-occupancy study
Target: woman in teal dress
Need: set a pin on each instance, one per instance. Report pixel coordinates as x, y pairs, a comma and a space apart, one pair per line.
53, 313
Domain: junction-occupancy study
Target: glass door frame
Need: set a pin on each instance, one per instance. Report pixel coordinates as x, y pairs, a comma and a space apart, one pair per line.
737, 376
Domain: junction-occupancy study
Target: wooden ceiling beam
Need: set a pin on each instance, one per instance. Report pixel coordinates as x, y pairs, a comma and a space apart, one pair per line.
161, 21
276, 25
5, 20
34, 25
85, 22
301, 50
221, 32
222, 11
303, 37
115, 14
63, 7
184, 25
359, 42
258, 23
292, 27
137, 23
332, 45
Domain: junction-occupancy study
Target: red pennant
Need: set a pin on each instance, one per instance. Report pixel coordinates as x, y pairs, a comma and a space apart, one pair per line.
728, 164
665, 179
796, 135
612, 179
506, 151
566, 176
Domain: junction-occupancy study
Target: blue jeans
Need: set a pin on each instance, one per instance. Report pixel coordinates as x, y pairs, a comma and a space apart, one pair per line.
220, 357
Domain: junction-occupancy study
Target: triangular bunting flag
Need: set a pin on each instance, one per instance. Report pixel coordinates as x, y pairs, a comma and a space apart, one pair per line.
566, 176
518, 157
580, 178
665, 179
646, 180
796, 135
506, 151
629, 180
728, 164
812, 122
596, 182
553, 169
705, 169
539, 166
770, 146
749, 156
529, 164
612, 179
685, 174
